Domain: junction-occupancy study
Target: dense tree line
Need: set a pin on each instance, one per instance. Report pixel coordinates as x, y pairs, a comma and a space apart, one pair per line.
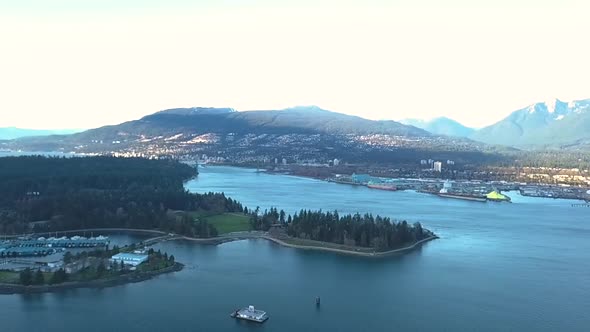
46, 194
553, 159
380, 233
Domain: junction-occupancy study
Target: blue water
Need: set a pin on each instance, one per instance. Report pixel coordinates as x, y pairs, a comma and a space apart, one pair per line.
523, 266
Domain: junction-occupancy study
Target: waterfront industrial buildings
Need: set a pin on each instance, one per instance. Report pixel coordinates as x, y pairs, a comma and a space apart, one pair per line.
132, 259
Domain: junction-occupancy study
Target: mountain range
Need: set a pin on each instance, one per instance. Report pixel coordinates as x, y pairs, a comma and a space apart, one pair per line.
7, 133
441, 126
304, 132
552, 123
549, 124
298, 133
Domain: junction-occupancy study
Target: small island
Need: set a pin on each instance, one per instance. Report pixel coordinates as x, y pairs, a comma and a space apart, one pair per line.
48, 195
356, 234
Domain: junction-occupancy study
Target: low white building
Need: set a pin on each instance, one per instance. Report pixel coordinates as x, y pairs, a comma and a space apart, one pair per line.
129, 259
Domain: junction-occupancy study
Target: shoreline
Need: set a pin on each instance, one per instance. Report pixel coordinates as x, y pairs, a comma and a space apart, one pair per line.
10, 289
263, 235
320, 178
403, 250
245, 235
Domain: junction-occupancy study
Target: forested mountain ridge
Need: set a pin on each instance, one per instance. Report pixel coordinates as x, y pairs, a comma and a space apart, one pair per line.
300, 133
297, 120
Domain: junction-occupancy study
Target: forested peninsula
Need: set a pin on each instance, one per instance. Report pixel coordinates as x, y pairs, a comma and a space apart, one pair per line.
52, 194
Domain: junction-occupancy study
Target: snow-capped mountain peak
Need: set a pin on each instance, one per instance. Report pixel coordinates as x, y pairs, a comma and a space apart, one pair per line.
551, 104
550, 122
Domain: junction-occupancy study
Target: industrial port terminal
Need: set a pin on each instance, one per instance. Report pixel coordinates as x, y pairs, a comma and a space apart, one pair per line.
479, 191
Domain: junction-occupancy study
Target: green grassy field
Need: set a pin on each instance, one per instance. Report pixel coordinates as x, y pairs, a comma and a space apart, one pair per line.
11, 277
229, 222
8, 277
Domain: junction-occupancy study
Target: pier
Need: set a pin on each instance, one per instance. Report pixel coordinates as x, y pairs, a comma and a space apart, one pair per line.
43, 247
581, 205
74, 242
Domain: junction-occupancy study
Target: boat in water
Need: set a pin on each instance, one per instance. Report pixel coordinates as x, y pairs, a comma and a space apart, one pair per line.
467, 197
250, 314
447, 193
382, 186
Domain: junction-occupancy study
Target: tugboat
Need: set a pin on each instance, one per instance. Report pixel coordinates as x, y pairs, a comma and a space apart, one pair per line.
250, 314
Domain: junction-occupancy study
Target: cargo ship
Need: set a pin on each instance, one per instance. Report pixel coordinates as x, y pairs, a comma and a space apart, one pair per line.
250, 314
382, 186
475, 198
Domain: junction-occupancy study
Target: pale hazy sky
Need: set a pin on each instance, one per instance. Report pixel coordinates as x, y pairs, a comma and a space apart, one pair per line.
87, 63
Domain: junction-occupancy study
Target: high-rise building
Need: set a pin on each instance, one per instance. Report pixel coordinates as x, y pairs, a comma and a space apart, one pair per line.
437, 166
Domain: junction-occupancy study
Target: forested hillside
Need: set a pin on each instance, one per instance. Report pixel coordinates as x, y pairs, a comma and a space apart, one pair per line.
52, 194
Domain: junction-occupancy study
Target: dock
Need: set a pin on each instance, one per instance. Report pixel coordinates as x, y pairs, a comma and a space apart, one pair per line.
250, 314
581, 205
74, 242
43, 247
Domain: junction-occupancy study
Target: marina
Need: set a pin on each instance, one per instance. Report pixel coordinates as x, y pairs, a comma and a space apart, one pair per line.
45, 246
62, 242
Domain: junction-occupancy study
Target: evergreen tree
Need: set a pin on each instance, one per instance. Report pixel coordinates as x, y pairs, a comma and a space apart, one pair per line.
100, 269
58, 277
26, 277
39, 279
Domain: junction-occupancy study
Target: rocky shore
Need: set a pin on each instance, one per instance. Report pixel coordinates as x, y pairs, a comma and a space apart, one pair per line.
6, 288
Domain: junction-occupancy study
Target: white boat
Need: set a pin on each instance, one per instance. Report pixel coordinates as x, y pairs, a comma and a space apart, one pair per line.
251, 314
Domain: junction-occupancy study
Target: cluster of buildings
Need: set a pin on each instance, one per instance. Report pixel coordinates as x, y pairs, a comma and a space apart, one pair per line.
437, 166
46, 254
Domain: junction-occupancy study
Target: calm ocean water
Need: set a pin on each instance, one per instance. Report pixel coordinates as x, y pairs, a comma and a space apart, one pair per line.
523, 266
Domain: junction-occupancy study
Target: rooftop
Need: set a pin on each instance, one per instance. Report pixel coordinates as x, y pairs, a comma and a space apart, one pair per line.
129, 256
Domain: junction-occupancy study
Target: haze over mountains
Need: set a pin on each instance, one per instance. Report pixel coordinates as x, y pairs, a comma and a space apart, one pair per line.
298, 133
441, 126
7, 133
301, 119
553, 123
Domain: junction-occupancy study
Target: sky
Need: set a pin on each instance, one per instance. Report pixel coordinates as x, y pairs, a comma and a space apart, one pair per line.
88, 63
